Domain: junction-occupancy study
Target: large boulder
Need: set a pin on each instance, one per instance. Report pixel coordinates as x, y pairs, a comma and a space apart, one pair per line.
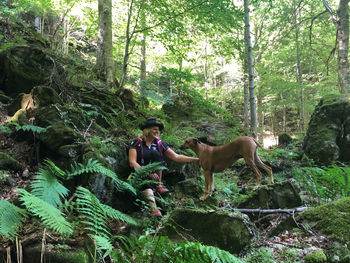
230, 232
332, 219
22, 68
278, 195
58, 135
328, 136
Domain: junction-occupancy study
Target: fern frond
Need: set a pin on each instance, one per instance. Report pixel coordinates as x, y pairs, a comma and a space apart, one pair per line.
50, 215
103, 244
196, 252
145, 170
94, 166
92, 212
46, 187
11, 218
140, 177
32, 128
50, 165
117, 215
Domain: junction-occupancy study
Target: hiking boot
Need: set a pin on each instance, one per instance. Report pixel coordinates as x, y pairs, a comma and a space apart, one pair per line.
156, 213
161, 190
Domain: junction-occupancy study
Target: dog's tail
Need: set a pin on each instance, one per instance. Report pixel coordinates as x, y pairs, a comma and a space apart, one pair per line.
264, 149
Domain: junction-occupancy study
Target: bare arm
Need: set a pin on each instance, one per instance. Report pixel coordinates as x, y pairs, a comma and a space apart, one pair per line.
132, 158
179, 158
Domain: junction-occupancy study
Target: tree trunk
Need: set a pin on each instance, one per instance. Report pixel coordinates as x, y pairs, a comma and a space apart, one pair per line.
104, 60
253, 121
341, 22
143, 69
299, 74
343, 38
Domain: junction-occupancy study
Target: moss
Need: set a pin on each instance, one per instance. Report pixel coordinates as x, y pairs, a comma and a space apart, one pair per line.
7, 162
226, 231
59, 135
45, 96
316, 256
32, 254
333, 219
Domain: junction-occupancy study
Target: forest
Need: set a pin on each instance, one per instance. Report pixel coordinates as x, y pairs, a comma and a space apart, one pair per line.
79, 81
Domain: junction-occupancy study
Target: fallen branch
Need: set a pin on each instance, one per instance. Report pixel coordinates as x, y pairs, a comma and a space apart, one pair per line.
273, 211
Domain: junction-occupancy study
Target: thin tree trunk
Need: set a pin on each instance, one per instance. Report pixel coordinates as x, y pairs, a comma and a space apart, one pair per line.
341, 22
253, 121
299, 74
206, 84
143, 55
105, 62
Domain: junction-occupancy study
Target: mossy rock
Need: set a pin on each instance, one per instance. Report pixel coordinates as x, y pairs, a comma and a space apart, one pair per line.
230, 232
23, 67
284, 139
45, 96
47, 115
58, 135
333, 219
316, 256
189, 187
278, 195
4, 99
33, 254
328, 135
7, 162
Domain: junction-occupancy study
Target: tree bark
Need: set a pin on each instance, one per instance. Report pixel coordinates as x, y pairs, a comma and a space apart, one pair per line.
253, 121
104, 60
299, 76
341, 22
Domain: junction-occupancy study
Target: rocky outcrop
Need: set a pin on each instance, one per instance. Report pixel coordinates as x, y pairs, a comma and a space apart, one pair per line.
278, 195
23, 67
230, 232
328, 136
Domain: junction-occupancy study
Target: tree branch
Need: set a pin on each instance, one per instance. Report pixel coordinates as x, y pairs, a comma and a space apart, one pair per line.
170, 18
272, 211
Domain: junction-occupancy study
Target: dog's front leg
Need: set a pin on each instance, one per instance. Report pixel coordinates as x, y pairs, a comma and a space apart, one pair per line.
207, 177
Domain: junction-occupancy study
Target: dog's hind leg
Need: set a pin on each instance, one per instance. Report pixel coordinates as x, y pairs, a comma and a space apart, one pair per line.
260, 164
251, 163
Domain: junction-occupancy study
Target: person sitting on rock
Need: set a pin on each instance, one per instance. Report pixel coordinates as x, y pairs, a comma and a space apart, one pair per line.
148, 148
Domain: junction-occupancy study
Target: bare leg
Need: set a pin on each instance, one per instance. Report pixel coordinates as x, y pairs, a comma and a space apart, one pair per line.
149, 196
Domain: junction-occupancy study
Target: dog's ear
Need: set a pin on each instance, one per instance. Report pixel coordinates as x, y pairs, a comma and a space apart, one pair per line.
196, 140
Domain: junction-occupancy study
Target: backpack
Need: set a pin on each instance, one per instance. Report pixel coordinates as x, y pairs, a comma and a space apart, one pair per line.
139, 151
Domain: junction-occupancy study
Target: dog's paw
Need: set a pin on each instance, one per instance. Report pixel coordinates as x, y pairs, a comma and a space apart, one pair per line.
202, 198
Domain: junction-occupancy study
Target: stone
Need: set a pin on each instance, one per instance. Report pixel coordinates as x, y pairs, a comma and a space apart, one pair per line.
230, 232
328, 136
278, 195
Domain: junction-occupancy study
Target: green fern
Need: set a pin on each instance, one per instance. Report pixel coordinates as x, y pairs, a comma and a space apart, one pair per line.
162, 249
31, 128
89, 207
11, 218
196, 252
5, 129
46, 186
103, 244
140, 177
50, 215
94, 166
117, 215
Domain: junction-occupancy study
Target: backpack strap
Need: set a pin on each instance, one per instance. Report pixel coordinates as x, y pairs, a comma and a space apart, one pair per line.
160, 146
139, 150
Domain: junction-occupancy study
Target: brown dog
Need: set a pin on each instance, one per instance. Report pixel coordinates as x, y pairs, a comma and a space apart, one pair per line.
215, 159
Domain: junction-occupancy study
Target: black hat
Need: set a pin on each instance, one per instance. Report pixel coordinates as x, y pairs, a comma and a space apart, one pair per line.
151, 122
